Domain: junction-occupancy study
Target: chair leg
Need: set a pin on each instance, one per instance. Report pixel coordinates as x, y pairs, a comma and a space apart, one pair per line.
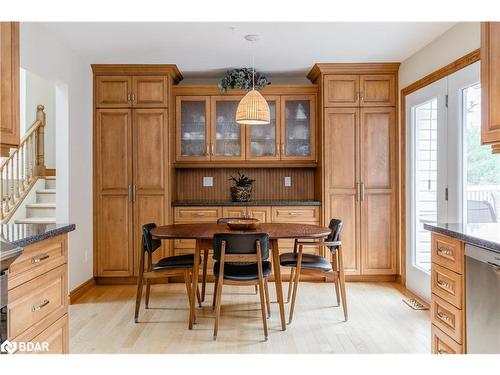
336, 279
198, 295
215, 292
187, 281
148, 290
342, 281
290, 284
217, 309
204, 277
268, 302
295, 284
263, 307
138, 298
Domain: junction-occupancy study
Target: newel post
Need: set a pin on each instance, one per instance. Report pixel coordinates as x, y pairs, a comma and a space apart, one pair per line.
40, 141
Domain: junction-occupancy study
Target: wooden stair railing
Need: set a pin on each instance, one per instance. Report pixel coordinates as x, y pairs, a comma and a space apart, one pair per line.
20, 170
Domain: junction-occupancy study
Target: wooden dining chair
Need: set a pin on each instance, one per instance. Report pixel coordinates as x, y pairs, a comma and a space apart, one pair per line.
332, 270
241, 259
224, 220
180, 265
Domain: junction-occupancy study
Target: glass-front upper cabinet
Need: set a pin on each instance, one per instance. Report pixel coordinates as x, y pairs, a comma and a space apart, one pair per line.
263, 140
298, 138
192, 128
227, 135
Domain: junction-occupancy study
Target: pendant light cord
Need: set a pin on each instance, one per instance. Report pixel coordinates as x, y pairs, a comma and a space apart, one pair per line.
253, 65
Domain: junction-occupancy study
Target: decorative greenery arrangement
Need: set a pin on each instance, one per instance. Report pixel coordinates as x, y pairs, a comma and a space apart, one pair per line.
242, 79
241, 180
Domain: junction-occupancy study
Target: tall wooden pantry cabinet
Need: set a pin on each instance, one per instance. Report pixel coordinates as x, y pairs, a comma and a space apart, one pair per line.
131, 161
359, 162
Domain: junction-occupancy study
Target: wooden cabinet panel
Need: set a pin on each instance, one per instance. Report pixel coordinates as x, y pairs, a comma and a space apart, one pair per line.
39, 300
490, 83
113, 91
150, 91
150, 156
37, 259
447, 318
378, 90
442, 344
263, 141
448, 285
197, 214
56, 337
192, 128
341, 90
378, 234
298, 129
9, 86
447, 252
263, 214
234, 212
295, 214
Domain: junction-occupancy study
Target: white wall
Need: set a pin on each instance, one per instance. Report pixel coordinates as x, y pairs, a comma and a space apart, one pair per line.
38, 90
453, 44
46, 57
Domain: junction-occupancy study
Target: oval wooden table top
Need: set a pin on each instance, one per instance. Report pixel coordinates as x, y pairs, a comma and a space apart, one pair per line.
206, 231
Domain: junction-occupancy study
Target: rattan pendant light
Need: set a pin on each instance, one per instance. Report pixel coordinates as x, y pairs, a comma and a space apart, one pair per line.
253, 108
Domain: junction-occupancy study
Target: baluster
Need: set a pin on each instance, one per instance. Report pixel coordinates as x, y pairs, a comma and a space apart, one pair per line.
12, 169
22, 167
1, 194
8, 187
15, 161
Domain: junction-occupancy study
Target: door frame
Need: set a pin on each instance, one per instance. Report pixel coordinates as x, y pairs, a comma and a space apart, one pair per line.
454, 66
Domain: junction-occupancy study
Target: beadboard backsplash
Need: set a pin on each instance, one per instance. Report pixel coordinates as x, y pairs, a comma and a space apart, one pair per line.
269, 184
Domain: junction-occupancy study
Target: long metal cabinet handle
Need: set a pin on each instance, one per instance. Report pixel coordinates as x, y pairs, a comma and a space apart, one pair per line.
362, 193
134, 192
213, 149
130, 193
41, 306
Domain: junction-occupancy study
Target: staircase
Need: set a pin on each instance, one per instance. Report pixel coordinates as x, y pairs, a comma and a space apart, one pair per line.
43, 211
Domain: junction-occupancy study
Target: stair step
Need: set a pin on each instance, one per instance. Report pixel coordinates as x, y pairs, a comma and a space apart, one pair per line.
46, 196
50, 182
46, 191
36, 220
41, 205
50, 177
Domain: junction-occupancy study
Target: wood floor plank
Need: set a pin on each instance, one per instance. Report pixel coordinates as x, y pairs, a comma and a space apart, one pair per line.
379, 322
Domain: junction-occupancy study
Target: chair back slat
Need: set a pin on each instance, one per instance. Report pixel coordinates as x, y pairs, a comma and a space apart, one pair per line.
150, 245
335, 226
241, 244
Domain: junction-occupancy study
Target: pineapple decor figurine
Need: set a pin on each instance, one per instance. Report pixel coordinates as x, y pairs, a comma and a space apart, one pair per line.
241, 191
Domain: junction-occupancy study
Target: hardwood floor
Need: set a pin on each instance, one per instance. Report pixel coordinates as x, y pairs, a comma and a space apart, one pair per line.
379, 322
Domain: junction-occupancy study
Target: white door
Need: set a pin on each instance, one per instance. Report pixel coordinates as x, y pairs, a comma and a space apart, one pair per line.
443, 158
427, 178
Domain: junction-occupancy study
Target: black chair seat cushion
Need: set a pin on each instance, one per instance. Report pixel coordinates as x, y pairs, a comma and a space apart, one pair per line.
178, 261
241, 272
309, 261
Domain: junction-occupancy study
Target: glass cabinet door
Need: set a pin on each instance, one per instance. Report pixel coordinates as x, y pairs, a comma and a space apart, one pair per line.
263, 140
192, 130
298, 132
227, 135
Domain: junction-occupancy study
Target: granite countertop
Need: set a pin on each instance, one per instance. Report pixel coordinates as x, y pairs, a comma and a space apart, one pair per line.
485, 235
8, 253
25, 234
251, 203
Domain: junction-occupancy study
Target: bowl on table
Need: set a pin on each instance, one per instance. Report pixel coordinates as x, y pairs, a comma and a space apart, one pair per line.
243, 224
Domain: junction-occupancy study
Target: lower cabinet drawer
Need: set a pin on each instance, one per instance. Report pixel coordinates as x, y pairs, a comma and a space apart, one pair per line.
53, 340
447, 284
447, 318
34, 303
443, 344
292, 214
197, 214
447, 252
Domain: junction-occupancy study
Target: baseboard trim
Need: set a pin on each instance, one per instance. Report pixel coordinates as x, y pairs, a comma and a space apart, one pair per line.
371, 278
80, 290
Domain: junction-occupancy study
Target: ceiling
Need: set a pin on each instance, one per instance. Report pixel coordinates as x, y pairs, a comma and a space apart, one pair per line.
205, 49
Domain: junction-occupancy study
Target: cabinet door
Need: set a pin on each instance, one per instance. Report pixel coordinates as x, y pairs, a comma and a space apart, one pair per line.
113, 163
150, 171
113, 91
298, 132
263, 214
9, 87
228, 137
378, 90
341, 90
378, 191
490, 83
341, 178
192, 130
238, 212
150, 91
263, 140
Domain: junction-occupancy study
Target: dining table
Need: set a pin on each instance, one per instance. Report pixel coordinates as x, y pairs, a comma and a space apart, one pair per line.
203, 233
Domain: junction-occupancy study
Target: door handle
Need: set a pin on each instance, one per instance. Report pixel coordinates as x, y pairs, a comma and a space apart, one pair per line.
130, 193
207, 153
134, 191
213, 149
283, 149
362, 192
41, 306
39, 259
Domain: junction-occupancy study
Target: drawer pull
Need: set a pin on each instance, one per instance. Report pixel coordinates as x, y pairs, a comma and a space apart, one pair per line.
443, 284
293, 213
199, 213
444, 317
444, 251
39, 259
41, 306
442, 351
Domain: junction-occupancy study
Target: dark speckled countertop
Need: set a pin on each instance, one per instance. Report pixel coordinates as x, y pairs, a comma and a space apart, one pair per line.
25, 234
485, 235
251, 203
